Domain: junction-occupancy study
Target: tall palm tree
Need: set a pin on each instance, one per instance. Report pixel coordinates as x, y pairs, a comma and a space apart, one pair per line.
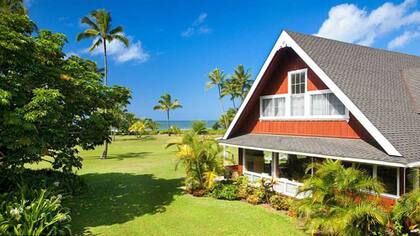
12, 6
100, 31
166, 104
242, 79
217, 78
230, 87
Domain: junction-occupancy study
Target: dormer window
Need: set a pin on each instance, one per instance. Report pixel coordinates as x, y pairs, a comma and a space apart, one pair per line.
299, 103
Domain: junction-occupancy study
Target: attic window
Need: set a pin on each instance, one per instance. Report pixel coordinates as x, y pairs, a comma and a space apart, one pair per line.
297, 81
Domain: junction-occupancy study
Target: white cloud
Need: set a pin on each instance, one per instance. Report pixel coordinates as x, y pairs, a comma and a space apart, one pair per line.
349, 23
403, 39
117, 50
197, 27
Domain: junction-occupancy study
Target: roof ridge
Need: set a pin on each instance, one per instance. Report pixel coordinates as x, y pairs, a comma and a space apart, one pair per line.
353, 44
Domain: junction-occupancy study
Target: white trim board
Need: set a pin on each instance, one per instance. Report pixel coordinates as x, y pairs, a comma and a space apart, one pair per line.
373, 162
286, 40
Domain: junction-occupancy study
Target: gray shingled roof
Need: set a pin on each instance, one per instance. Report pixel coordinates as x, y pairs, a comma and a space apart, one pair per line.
335, 147
373, 80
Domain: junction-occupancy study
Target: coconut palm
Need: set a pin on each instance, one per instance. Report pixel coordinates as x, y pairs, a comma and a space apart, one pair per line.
99, 23
339, 202
217, 78
166, 104
242, 79
12, 6
230, 87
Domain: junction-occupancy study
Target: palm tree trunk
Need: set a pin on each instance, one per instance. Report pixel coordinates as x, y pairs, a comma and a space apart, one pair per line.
167, 120
104, 154
221, 104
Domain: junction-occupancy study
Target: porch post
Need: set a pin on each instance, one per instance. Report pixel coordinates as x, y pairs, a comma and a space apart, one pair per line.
398, 182
244, 159
274, 164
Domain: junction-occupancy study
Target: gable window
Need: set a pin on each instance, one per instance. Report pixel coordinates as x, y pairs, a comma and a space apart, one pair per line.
299, 103
326, 104
298, 88
273, 106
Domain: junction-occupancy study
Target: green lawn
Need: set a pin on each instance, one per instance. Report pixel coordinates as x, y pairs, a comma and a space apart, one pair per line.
137, 192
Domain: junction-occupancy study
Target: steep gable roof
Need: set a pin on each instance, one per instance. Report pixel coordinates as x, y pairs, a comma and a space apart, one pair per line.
370, 81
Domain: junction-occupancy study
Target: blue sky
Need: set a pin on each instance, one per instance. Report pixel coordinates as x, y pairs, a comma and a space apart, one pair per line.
176, 43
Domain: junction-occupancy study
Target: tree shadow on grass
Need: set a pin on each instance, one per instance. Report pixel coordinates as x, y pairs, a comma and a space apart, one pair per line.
122, 156
115, 198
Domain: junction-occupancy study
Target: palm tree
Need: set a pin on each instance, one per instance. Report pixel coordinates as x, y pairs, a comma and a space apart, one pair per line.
166, 104
339, 203
242, 79
100, 31
13, 6
217, 78
230, 87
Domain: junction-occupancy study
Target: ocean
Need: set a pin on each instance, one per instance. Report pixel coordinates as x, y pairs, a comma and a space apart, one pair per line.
182, 124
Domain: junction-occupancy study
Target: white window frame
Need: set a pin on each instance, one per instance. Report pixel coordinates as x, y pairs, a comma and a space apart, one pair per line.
307, 96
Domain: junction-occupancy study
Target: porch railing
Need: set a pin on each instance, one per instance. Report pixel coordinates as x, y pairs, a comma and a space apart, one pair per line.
282, 185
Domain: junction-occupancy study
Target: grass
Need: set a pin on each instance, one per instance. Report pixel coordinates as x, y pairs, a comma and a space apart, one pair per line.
136, 191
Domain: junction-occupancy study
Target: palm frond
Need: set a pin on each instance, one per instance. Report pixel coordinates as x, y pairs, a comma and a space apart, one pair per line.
88, 33
88, 21
96, 44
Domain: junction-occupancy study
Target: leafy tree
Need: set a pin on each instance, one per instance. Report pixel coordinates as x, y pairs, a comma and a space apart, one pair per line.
100, 31
199, 127
242, 80
166, 104
49, 105
201, 158
339, 203
13, 6
216, 126
217, 78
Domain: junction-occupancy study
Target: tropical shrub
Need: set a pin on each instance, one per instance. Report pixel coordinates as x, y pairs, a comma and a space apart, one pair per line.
264, 189
199, 127
51, 105
201, 158
253, 199
280, 202
33, 212
339, 203
406, 213
216, 126
224, 190
243, 187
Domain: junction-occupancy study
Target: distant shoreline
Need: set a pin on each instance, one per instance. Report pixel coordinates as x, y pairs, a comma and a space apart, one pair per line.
183, 124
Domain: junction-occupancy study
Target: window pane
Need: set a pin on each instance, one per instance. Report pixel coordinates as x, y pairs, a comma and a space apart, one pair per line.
298, 105
326, 104
368, 169
267, 107
412, 179
298, 82
279, 106
335, 106
388, 176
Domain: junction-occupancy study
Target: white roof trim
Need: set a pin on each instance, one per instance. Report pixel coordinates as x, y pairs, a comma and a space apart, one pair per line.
373, 162
286, 40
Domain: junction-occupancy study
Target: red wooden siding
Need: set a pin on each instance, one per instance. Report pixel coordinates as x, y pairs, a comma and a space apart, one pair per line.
275, 82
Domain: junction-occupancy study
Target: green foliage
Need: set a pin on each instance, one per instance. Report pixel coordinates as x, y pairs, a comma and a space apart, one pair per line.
216, 126
254, 199
332, 207
225, 190
13, 7
166, 104
200, 156
243, 187
66, 184
227, 118
49, 104
280, 202
406, 213
33, 212
199, 127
